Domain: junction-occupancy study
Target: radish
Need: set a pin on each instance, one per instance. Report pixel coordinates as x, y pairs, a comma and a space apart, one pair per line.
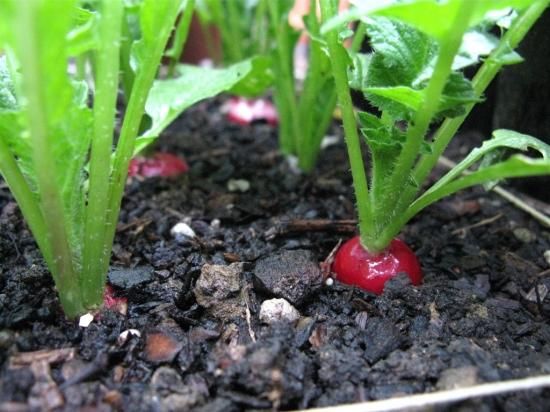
354, 265
161, 164
243, 111
414, 79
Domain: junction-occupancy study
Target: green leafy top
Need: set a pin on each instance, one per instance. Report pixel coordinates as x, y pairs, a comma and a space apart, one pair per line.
395, 77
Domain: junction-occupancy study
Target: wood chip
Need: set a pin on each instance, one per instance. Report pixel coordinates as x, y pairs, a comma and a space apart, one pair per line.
52, 356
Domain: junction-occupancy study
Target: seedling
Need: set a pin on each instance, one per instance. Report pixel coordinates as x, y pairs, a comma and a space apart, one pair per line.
262, 28
242, 28
57, 128
414, 79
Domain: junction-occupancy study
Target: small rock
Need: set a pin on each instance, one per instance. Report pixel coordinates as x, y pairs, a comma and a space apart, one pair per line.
174, 393
361, 319
166, 380
123, 337
7, 337
161, 346
330, 140
129, 278
524, 235
381, 338
547, 256
238, 185
182, 231
217, 290
304, 329
482, 286
458, 378
278, 310
114, 398
535, 295
291, 274
85, 320
215, 224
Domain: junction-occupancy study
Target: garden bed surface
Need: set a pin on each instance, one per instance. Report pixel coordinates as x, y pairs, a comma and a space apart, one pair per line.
480, 316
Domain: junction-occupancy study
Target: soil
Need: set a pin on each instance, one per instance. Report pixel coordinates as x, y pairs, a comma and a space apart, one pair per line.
481, 314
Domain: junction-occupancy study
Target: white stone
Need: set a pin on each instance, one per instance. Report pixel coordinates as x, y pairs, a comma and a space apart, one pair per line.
330, 140
85, 320
215, 223
123, 337
547, 256
182, 230
238, 185
293, 164
277, 310
329, 282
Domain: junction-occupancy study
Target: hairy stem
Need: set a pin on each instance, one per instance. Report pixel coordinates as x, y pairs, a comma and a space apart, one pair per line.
338, 58
30, 53
180, 36
401, 174
285, 94
95, 257
134, 112
482, 79
28, 203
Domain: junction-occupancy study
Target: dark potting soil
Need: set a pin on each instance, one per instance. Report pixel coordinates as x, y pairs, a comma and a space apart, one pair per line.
193, 304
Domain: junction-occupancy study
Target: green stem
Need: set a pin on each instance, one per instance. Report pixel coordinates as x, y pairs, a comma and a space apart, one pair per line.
44, 161
449, 127
180, 36
260, 33
482, 79
233, 19
284, 86
401, 174
132, 119
230, 48
26, 200
313, 83
358, 37
338, 58
126, 73
315, 118
95, 258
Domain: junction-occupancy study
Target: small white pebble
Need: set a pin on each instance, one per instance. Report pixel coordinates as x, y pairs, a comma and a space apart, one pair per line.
293, 165
329, 282
215, 223
238, 185
276, 310
329, 140
547, 256
85, 320
182, 229
123, 337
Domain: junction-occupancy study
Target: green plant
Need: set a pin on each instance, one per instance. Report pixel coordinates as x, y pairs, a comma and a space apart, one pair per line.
414, 79
261, 27
241, 24
305, 112
57, 129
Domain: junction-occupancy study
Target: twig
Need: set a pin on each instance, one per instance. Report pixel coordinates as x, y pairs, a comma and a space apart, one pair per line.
442, 397
515, 200
462, 230
52, 356
246, 299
